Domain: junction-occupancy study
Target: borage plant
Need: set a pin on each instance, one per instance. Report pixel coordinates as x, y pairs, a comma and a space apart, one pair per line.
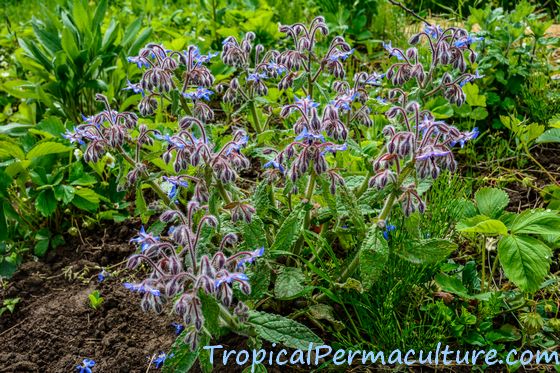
329, 110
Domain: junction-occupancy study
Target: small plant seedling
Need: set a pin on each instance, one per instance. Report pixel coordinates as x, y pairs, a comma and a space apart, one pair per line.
95, 299
9, 305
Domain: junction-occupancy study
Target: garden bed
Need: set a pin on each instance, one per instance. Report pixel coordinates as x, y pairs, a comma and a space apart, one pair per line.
54, 328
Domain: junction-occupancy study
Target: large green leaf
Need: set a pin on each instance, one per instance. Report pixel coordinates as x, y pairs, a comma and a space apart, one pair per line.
491, 201
536, 222
373, 256
290, 283
551, 135
10, 150
484, 225
46, 202
290, 230
279, 329
47, 148
432, 250
181, 358
254, 235
525, 260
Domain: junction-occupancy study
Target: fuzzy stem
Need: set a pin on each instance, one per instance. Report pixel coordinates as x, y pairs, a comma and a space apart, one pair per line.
307, 220
362, 188
256, 119
383, 215
223, 192
161, 194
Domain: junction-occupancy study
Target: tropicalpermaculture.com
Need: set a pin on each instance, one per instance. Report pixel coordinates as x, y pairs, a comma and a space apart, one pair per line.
320, 355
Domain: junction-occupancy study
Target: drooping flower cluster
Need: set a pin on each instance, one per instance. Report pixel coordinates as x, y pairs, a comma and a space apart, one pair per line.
451, 46
166, 70
309, 149
111, 130
423, 145
417, 143
178, 273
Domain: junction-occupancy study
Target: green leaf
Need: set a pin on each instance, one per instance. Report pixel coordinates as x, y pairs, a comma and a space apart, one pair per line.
47, 148
279, 329
211, 312
3, 226
525, 260
99, 13
373, 256
536, 222
69, 44
64, 193
491, 201
254, 235
289, 283
452, 285
432, 250
506, 333
86, 199
473, 98
10, 149
259, 278
42, 245
482, 224
470, 276
551, 135
46, 202
289, 230
182, 358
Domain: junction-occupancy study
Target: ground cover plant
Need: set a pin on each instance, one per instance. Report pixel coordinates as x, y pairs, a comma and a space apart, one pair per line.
277, 185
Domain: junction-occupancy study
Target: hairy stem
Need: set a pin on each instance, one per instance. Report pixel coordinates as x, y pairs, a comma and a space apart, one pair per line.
307, 220
258, 128
223, 192
161, 194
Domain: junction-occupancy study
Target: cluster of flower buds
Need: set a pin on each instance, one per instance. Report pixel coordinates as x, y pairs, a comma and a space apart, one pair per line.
160, 77
309, 149
111, 130
419, 143
184, 149
303, 55
451, 46
179, 274
239, 55
351, 100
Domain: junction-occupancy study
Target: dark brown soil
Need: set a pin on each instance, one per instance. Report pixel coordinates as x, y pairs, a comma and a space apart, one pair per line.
54, 328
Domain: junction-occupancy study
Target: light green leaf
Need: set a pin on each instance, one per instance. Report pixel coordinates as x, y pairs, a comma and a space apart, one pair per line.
9, 149
473, 97
525, 260
279, 329
373, 256
537, 222
551, 135
484, 225
46, 148
491, 201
